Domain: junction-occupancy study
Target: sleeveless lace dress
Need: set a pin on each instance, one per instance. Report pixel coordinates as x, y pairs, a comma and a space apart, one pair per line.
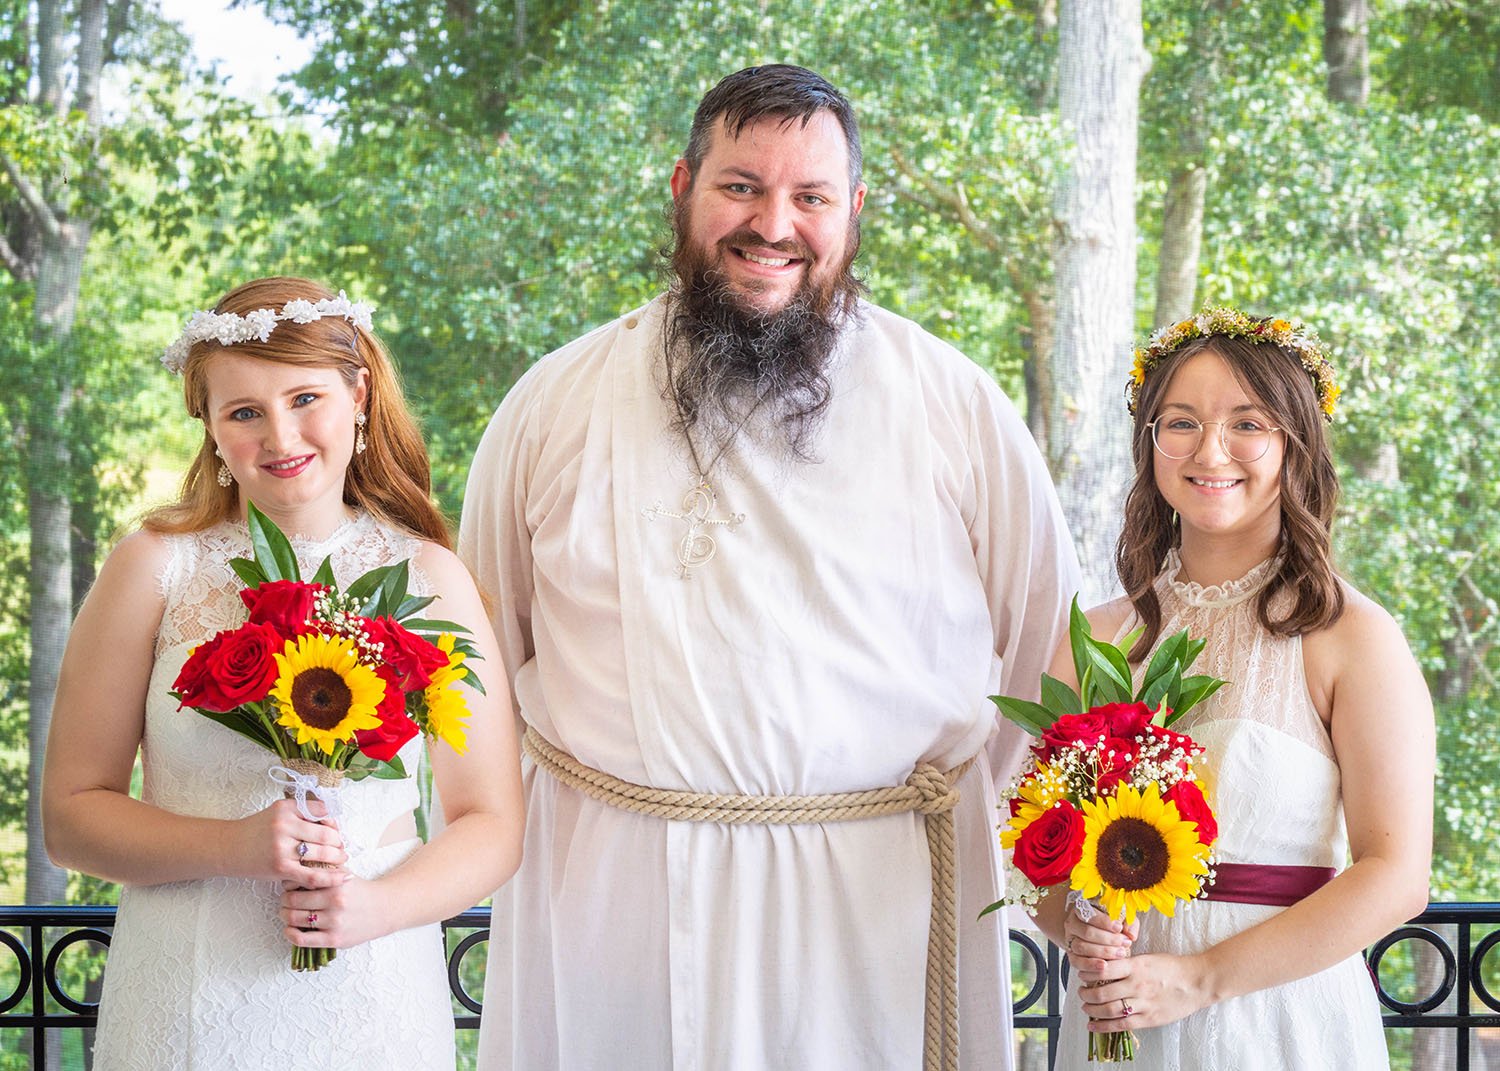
199, 974
1275, 789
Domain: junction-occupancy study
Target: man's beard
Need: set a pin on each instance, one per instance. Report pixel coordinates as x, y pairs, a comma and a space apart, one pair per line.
727, 361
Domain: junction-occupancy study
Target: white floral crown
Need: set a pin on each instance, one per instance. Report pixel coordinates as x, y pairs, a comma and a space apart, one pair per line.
228, 328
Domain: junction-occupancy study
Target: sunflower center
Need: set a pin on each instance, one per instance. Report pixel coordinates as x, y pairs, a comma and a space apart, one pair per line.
1133, 854
320, 697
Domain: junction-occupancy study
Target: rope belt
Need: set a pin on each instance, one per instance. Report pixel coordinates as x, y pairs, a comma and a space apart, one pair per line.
928, 791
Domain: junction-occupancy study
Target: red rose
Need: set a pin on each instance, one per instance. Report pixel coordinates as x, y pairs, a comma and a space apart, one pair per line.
1194, 808
232, 668
414, 659
1127, 720
395, 727
1049, 848
287, 604
1116, 759
193, 679
1069, 729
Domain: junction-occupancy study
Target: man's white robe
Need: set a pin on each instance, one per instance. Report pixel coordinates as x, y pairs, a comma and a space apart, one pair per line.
853, 625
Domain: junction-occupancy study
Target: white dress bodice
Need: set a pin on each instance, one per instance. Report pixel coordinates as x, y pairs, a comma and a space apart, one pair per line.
199, 972
1274, 783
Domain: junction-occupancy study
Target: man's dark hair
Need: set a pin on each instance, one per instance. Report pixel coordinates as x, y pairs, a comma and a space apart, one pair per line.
777, 90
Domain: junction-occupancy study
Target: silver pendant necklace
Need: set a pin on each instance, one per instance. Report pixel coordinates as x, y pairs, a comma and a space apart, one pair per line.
697, 546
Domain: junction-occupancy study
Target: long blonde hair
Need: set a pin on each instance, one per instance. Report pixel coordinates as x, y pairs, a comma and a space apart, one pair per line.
391, 479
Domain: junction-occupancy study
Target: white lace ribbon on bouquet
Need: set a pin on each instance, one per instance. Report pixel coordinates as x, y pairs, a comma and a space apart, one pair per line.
302, 785
1079, 905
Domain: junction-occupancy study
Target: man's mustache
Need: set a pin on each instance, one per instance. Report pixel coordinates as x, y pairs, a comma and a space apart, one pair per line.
790, 246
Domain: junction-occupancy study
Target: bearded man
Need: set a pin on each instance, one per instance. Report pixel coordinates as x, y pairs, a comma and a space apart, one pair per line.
758, 553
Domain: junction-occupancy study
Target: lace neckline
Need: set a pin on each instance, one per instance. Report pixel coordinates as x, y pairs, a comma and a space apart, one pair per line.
306, 546
1228, 593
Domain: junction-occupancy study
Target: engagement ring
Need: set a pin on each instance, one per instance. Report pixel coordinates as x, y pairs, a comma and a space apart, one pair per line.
302, 849
312, 920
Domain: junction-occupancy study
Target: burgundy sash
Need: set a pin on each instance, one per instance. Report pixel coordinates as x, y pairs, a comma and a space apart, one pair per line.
1276, 886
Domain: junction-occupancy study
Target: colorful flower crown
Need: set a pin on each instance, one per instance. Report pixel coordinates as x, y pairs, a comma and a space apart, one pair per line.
1291, 335
228, 328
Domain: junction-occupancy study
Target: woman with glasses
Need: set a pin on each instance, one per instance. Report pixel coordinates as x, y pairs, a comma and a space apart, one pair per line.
1320, 751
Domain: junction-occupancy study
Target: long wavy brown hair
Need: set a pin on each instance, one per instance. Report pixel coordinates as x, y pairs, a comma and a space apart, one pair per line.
1277, 382
392, 478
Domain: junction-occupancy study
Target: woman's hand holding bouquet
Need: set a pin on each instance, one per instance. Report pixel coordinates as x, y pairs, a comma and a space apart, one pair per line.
1110, 803
332, 682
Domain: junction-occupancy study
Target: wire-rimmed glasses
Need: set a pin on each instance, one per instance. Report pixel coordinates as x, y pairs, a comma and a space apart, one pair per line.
1245, 439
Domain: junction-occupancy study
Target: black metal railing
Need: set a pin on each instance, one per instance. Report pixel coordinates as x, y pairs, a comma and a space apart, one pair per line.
1444, 948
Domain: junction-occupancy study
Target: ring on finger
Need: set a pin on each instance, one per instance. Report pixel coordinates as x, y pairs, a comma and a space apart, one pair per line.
302, 849
1069, 946
312, 920
1125, 1008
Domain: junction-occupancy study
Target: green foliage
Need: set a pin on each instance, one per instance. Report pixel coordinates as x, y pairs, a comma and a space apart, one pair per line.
493, 236
1103, 673
1439, 53
498, 184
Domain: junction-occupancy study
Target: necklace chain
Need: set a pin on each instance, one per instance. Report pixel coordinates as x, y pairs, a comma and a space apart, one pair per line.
697, 545
703, 471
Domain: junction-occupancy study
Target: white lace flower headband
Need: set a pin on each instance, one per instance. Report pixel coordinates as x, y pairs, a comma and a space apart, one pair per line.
228, 328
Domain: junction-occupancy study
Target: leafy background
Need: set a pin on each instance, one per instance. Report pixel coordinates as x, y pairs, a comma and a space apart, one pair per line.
494, 176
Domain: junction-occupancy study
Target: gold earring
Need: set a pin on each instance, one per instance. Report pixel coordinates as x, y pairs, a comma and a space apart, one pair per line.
359, 432
224, 476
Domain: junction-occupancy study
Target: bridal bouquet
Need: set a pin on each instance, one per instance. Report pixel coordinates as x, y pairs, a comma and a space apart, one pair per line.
1110, 803
332, 681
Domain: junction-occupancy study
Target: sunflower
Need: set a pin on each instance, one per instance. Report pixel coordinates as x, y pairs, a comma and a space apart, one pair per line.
446, 708
1034, 795
324, 692
1138, 853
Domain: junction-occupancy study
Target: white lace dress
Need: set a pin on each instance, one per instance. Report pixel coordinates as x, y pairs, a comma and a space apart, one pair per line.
199, 974
1276, 793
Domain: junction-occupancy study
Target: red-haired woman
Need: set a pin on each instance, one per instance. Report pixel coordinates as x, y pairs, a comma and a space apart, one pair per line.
302, 414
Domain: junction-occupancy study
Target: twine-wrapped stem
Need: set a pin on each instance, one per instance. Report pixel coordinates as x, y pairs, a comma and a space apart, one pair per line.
300, 778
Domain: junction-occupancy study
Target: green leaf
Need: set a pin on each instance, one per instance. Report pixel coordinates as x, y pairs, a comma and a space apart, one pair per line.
273, 552
473, 681
1157, 691
432, 625
996, 906
248, 571
1194, 691
392, 591
367, 585
411, 605
1033, 717
362, 766
1168, 654
1059, 698
324, 575
1078, 637
249, 727
1111, 682
1174, 690
394, 770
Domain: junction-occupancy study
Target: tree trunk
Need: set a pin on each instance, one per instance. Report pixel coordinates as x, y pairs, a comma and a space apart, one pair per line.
84, 533
1181, 240
50, 523
1100, 62
1037, 371
1346, 50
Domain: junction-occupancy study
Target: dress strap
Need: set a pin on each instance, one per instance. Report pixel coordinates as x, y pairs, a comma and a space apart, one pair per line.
928, 791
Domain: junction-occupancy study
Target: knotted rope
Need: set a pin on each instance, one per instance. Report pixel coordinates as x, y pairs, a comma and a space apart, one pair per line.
928, 791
